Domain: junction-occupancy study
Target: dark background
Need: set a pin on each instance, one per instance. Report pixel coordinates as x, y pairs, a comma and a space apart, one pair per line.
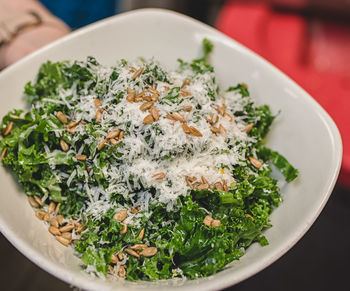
319, 261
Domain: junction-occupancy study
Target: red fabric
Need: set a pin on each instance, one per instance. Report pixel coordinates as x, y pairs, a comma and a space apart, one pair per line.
316, 56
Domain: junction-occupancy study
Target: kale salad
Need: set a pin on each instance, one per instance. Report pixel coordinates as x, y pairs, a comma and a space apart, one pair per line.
147, 173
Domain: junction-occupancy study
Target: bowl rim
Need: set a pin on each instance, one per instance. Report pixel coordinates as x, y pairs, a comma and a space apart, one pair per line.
205, 283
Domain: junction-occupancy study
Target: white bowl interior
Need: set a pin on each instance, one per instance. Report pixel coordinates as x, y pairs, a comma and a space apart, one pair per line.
303, 132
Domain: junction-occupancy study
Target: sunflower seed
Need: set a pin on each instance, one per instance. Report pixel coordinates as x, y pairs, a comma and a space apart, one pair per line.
61, 117
205, 181
149, 252
244, 85
51, 208
67, 227
137, 73
132, 253
14, 116
185, 128
228, 116
40, 214
214, 129
112, 134
218, 186
3, 154
135, 210
187, 108
248, 128
169, 116
98, 115
60, 219
32, 202
251, 217
81, 157
159, 176
208, 220
154, 97
80, 228
155, 113
142, 233
46, 217
152, 90
177, 116
133, 69
8, 128
256, 163
102, 144
64, 145
148, 119
131, 96
67, 235
124, 229
120, 215
54, 222
38, 200
195, 131
225, 185
121, 272
57, 209
185, 93
121, 134
185, 83
63, 240
114, 259
121, 256
222, 129
146, 106
138, 247
97, 102
202, 186
113, 141
54, 230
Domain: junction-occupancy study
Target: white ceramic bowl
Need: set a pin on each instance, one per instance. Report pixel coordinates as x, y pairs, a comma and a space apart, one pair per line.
303, 132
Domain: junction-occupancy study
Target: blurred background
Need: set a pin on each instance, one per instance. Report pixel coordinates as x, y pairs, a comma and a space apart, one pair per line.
309, 40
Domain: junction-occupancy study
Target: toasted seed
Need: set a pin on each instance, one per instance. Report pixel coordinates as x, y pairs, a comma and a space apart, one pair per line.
147, 98
61, 117
138, 247
72, 124
8, 128
248, 128
112, 134
80, 228
152, 90
67, 235
214, 129
102, 144
72, 129
256, 163
124, 229
215, 223
40, 214
14, 116
148, 119
186, 128
138, 99
54, 230
133, 69
187, 108
225, 185
135, 210
128, 90
189, 184
131, 96
137, 73
57, 209
111, 269
185, 93
141, 234
191, 179
159, 176
169, 116
205, 181
83, 122
46, 217
228, 116
208, 220
98, 115
120, 215
114, 259
185, 83
140, 95
60, 219
113, 141
177, 116
32, 202
121, 272
155, 113
202, 186
222, 129
149, 252
146, 106
64, 145
166, 88
54, 222
38, 200
218, 186
154, 97
63, 240
132, 253
121, 256
121, 134
81, 157
97, 102
3, 154
245, 86
67, 227
195, 131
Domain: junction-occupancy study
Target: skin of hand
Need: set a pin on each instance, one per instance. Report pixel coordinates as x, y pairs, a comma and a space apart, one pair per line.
32, 38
